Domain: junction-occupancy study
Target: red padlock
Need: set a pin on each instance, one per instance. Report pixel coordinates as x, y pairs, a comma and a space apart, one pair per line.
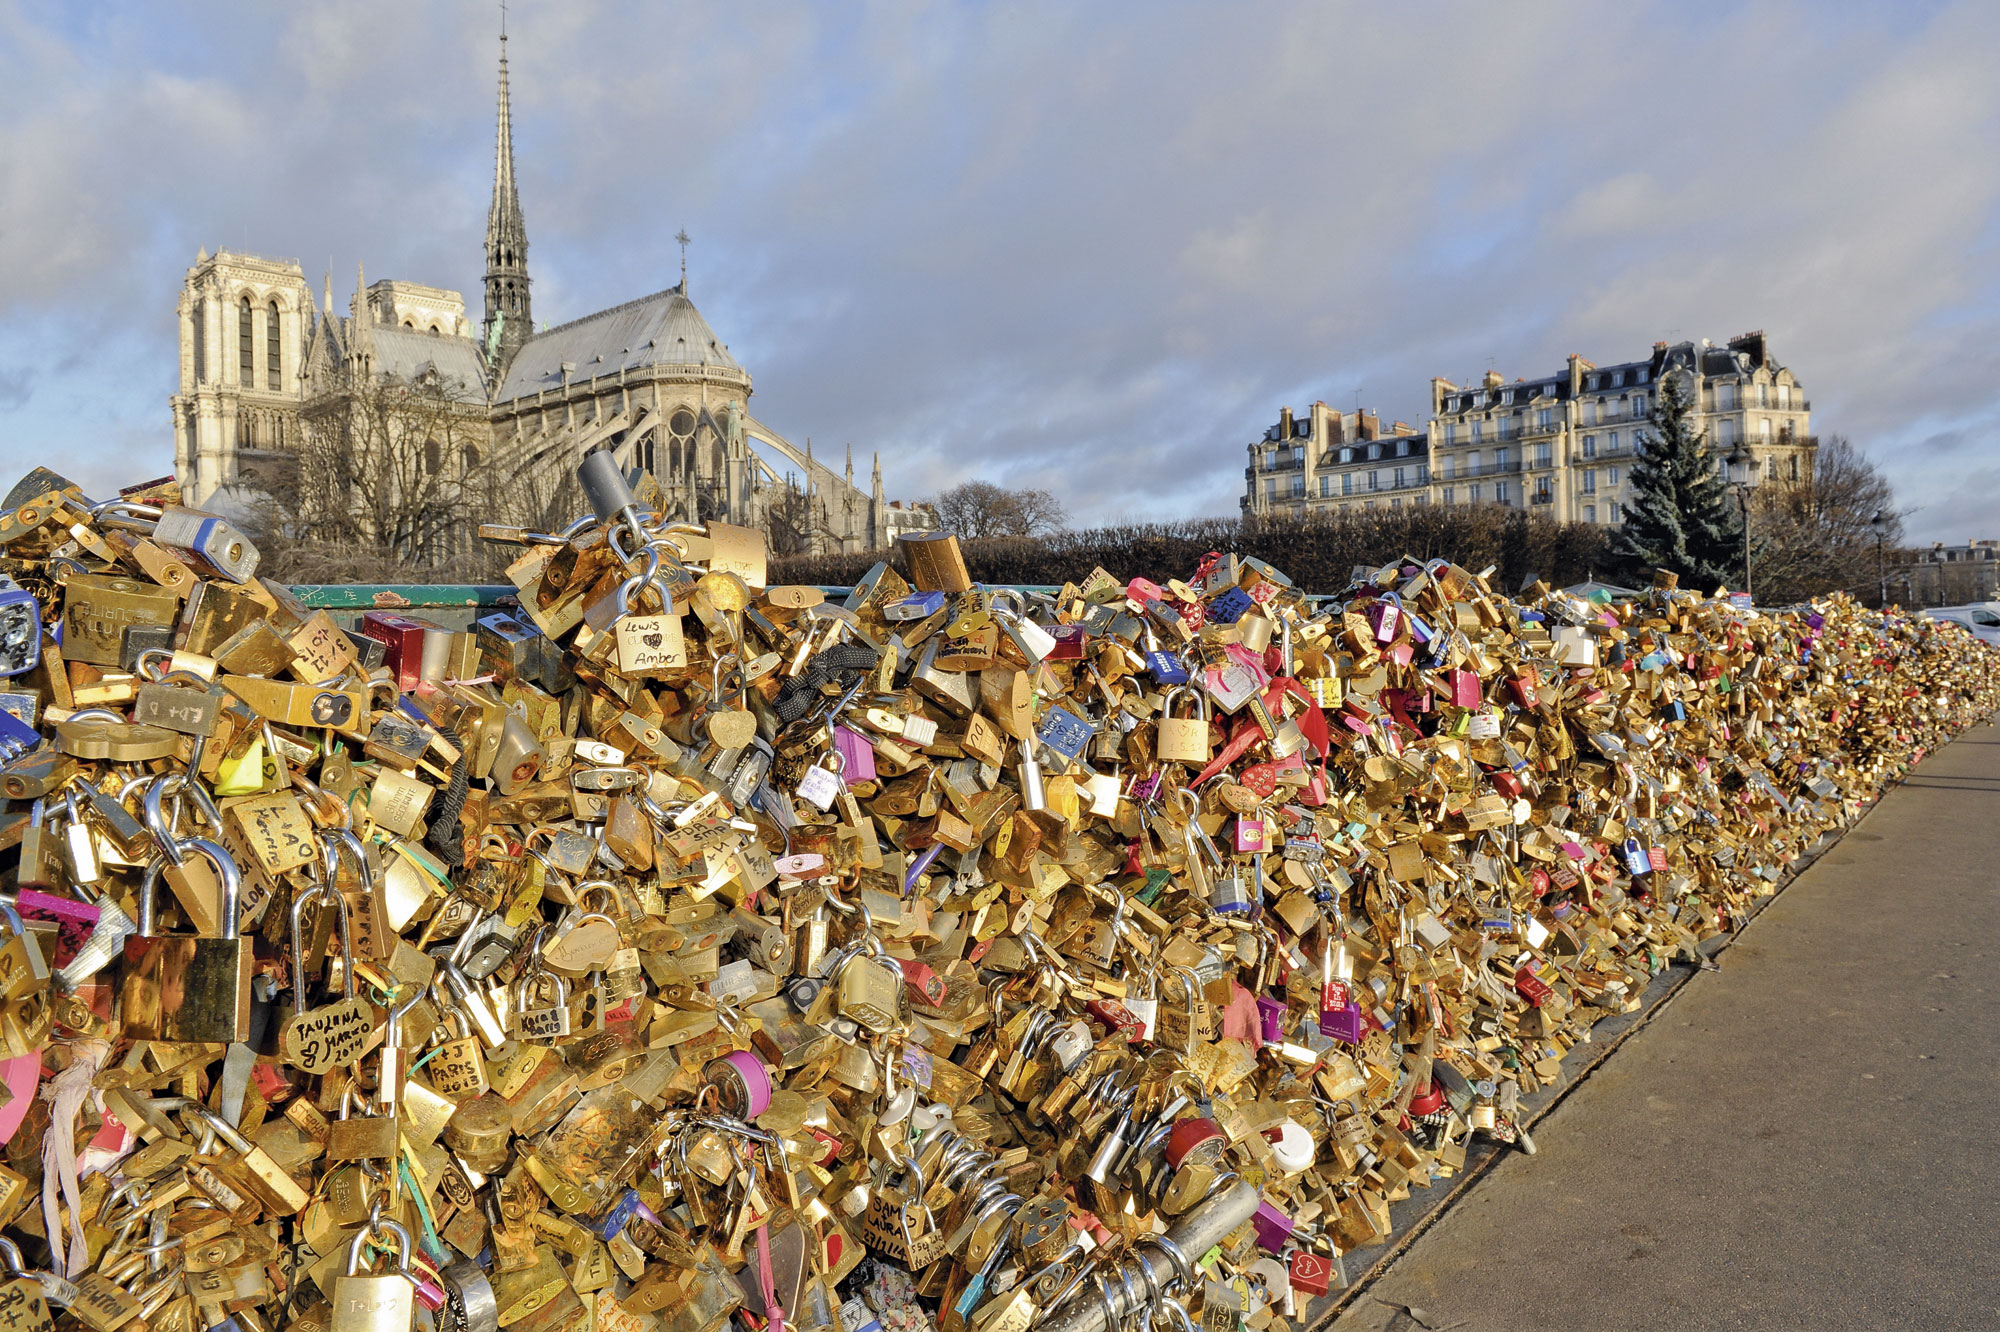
1200, 1141
925, 985
1116, 1016
1310, 1272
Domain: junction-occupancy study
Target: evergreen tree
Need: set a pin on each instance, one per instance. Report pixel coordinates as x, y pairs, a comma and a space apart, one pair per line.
1681, 515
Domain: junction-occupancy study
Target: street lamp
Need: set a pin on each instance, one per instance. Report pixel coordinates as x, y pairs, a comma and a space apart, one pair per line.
1880, 522
1743, 476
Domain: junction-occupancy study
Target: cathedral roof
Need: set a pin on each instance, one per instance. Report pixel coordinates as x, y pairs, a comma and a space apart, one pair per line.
408, 354
663, 329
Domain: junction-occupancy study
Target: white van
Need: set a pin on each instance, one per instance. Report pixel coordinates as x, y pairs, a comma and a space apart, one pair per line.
1982, 618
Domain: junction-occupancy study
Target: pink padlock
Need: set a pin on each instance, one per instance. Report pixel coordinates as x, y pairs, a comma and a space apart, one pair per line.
21, 1074
858, 753
1273, 1228
1252, 837
1271, 1013
1465, 689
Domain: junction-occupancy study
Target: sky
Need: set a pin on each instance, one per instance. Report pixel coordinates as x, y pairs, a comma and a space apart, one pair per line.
1092, 248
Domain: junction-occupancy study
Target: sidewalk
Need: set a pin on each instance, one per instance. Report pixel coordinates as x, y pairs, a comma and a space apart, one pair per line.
1809, 1138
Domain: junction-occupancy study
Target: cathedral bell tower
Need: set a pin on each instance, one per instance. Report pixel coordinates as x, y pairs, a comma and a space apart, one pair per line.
508, 322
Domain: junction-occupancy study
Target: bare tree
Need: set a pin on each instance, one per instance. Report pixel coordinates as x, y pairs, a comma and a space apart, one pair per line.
1815, 534
389, 481
981, 509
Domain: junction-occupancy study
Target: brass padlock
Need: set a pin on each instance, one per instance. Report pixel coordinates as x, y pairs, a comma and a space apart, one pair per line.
868, 989
365, 1302
188, 989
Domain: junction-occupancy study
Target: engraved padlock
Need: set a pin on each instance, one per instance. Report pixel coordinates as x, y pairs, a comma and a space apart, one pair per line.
1183, 739
869, 990
365, 1302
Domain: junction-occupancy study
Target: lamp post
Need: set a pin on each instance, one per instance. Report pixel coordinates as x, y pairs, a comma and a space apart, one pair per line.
1880, 522
1743, 479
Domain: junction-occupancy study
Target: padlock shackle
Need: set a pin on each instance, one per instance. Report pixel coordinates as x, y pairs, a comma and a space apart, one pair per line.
369, 1229
321, 889
226, 874
336, 842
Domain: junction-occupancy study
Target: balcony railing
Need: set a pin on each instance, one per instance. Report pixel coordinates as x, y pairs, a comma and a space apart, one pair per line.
1508, 468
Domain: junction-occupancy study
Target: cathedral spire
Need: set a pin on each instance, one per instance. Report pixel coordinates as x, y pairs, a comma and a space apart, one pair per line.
508, 321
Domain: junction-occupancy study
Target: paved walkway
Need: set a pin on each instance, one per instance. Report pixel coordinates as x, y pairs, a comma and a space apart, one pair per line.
1809, 1138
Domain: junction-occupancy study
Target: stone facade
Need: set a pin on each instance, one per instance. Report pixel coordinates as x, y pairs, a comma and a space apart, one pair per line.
1562, 444
649, 380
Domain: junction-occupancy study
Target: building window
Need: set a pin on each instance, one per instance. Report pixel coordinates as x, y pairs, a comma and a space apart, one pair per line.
1347, 483
1477, 431
1423, 474
1472, 492
1613, 513
1374, 452
1270, 492
1298, 487
1541, 455
1499, 458
271, 350
1590, 480
1638, 404
1325, 485
1785, 396
1472, 463
1764, 429
1763, 395
1399, 478
1725, 397
1395, 503
1590, 446
1542, 492
1447, 494
1725, 433
1374, 480
1611, 442
246, 348
1545, 419
1611, 476
1792, 468
1501, 491
1590, 513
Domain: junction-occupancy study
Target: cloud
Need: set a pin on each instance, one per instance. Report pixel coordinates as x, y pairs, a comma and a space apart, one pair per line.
1093, 248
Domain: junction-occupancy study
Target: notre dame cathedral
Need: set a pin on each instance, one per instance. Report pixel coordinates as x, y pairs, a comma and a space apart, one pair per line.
648, 379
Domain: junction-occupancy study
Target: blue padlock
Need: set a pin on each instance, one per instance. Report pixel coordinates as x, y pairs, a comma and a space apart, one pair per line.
1064, 733
1229, 607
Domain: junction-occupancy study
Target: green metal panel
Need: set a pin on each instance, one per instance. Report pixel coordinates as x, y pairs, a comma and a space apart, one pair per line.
369, 596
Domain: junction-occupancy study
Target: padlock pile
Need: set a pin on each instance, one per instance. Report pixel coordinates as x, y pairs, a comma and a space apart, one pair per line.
673, 948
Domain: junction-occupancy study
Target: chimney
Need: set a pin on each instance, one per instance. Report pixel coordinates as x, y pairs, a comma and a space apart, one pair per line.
1494, 379
1284, 423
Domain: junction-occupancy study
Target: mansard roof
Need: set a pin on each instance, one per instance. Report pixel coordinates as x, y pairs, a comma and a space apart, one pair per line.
663, 329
